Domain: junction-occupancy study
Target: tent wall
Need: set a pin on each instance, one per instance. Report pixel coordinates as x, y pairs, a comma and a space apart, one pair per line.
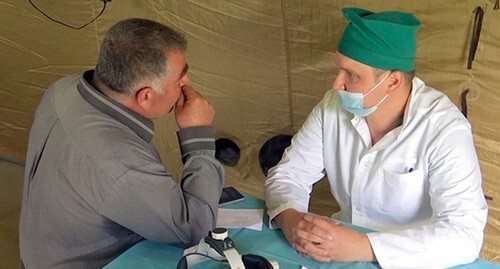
263, 64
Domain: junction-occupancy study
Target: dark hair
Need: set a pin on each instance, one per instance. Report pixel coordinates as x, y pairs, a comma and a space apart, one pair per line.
133, 54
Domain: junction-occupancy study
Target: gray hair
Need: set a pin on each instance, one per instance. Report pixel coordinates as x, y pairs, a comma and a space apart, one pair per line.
133, 55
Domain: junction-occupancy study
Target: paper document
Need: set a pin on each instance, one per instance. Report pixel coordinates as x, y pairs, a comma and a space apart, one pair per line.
240, 218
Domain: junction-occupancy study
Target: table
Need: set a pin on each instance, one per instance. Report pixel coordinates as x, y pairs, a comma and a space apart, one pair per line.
268, 243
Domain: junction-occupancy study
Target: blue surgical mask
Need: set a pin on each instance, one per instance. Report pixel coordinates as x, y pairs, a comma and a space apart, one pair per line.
353, 101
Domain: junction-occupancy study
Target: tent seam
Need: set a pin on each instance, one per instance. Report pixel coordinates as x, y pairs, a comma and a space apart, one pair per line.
288, 63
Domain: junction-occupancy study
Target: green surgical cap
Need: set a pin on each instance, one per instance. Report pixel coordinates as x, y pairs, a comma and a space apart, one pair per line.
385, 40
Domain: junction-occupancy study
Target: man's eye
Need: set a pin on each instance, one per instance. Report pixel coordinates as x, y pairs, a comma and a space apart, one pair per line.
353, 77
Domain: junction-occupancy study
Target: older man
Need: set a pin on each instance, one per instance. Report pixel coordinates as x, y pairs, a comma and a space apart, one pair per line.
94, 183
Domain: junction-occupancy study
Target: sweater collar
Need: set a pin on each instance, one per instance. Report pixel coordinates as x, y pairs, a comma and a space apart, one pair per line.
141, 125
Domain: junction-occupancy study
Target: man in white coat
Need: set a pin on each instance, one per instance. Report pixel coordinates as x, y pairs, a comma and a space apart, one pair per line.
398, 154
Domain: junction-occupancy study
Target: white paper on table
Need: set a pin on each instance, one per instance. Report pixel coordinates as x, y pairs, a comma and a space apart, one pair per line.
240, 218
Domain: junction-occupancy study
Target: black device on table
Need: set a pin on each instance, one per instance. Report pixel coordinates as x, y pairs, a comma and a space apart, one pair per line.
230, 195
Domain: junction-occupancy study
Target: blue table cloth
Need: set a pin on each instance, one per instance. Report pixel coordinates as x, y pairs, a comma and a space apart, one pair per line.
268, 243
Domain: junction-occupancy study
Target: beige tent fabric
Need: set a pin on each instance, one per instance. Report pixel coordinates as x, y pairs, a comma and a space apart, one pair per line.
263, 64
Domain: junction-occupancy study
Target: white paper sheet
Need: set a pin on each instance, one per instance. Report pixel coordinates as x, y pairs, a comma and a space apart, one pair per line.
240, 218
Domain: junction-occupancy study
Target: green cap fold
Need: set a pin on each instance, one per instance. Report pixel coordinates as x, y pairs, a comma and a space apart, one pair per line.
385, 40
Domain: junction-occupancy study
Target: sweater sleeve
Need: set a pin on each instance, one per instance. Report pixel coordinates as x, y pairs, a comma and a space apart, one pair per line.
148, 201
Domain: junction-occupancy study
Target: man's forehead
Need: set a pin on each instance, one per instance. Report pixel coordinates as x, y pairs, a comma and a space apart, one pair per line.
176, 62
349, 64
176, 56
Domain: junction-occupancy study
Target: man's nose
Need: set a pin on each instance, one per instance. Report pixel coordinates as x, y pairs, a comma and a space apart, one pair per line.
184, 80
338, 83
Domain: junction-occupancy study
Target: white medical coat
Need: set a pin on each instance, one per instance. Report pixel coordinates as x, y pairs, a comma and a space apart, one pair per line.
419, 186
